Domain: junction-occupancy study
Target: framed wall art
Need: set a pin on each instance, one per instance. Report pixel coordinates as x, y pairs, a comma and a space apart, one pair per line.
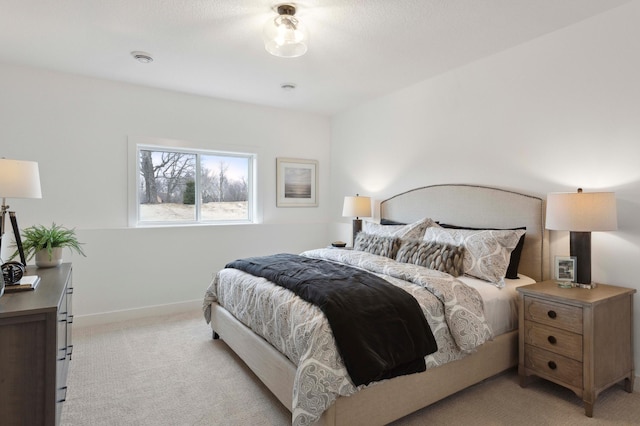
297, 182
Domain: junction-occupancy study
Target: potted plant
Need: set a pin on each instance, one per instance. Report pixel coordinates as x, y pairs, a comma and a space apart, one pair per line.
46, 244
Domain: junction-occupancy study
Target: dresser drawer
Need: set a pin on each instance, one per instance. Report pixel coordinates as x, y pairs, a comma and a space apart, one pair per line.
553, 339
554, 314
553, 366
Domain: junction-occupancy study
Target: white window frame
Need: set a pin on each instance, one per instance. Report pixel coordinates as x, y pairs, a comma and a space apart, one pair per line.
156, 144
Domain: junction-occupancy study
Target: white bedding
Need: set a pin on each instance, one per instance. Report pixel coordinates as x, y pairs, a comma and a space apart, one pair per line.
300, 331
500, 304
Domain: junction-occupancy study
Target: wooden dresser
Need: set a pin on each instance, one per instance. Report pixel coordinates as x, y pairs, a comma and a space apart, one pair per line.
35, 349
578, 338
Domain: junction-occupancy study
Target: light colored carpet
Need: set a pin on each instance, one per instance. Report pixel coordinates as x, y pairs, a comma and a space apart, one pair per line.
168, 371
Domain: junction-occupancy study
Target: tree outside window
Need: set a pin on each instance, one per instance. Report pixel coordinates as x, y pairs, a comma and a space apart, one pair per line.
182, 186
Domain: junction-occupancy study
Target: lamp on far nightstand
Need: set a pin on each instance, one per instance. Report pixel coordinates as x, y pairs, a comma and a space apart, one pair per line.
582, 213
356, 207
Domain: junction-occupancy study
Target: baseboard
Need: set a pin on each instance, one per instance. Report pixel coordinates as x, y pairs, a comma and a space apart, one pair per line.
131, 314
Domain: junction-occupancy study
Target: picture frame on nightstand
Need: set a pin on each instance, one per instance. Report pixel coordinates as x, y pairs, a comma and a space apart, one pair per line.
565, 270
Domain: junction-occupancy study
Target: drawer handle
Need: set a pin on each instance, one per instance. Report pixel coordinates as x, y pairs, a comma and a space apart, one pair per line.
552, 340
552, 314
64, 398
552, 365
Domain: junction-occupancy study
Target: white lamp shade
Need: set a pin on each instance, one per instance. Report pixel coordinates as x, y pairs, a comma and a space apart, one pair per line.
582, 211
357, 207
19, 179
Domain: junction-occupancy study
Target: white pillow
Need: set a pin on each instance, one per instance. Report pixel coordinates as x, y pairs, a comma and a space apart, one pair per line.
487, 252
410, 231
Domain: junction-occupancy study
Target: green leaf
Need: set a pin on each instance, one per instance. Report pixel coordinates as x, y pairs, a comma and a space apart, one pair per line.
38, 237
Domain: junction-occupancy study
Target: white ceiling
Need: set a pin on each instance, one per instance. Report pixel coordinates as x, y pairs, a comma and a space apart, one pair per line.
359, 50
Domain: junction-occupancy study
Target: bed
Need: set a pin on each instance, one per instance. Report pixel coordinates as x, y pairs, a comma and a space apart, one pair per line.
468, 206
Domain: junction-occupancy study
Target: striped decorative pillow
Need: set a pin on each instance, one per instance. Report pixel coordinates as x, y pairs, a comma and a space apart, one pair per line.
440, 257
376, 244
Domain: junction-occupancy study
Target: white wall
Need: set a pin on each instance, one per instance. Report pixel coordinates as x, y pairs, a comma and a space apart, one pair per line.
551, 115
559, 112
77, 129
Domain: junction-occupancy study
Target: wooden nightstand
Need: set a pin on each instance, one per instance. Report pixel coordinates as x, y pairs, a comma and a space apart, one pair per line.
578, 338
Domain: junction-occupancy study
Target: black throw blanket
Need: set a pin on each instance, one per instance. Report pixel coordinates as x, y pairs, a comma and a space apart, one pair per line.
380, 330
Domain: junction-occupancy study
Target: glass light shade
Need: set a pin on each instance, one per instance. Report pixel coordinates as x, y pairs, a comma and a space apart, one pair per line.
19, 179
582, 211
357, 207
285, 36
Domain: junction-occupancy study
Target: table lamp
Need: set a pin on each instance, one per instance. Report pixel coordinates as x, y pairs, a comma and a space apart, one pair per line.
582, 213
356, 207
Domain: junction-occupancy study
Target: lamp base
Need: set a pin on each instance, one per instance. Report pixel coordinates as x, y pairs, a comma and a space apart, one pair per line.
569, 284
587, 286
357, 227
16, 235
580, 247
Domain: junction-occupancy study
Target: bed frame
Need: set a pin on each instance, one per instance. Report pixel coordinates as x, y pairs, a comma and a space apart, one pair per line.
384, 402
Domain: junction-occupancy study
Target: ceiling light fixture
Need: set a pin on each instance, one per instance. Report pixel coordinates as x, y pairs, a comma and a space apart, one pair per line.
143, 57
285, 36
288, 87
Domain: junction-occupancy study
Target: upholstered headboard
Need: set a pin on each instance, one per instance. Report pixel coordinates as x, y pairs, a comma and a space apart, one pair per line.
479, 207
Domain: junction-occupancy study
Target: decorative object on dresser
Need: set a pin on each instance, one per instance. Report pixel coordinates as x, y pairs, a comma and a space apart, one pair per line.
579, 340
296, 182
27, 282
357, 207
46, 244
35, 338
18, 179
582, 213
12, 272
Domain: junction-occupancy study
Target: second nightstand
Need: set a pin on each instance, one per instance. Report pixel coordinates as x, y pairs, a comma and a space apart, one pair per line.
578, 338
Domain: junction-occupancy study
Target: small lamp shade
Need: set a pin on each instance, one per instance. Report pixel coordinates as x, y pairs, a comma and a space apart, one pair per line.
356, 207
19, 179
582, 211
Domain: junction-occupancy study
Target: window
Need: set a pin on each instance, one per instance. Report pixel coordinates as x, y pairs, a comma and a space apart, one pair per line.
181, 186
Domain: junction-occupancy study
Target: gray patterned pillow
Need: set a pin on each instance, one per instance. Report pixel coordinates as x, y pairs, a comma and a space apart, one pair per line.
487, 252
413, 230
440, 257
376, 244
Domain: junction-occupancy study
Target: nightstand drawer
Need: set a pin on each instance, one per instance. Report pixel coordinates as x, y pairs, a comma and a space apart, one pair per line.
554, 314
554, 366
553, 339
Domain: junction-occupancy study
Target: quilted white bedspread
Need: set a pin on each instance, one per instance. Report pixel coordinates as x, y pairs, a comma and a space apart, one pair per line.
301, 332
